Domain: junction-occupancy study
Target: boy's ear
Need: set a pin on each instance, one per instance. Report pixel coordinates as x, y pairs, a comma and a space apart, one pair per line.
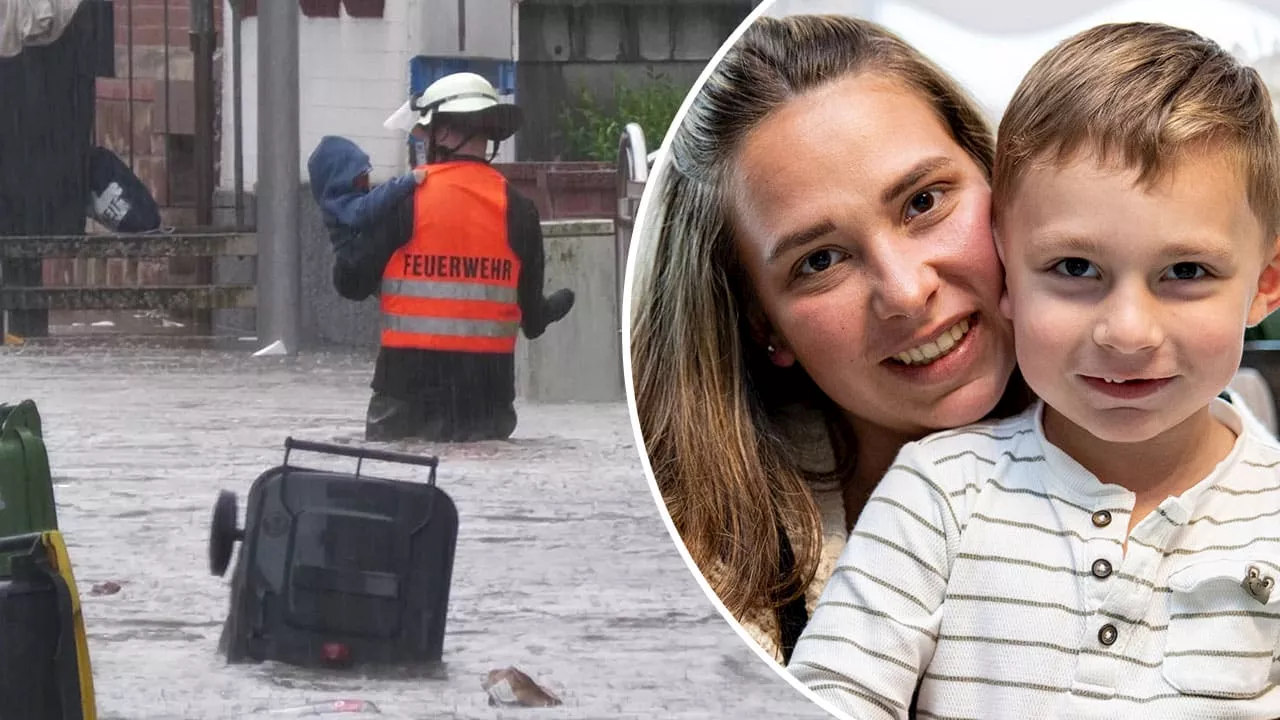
1267, 299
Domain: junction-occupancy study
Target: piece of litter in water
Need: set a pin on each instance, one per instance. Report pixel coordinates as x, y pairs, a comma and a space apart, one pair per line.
510, 686
332, 707
248, 338
165, 322
275, 348
109, 587
104, 323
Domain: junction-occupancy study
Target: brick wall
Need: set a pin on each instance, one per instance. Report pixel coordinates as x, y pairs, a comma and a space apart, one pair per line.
160, 149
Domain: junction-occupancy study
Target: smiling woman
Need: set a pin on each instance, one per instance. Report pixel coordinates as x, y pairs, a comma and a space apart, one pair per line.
891, 254
824, 288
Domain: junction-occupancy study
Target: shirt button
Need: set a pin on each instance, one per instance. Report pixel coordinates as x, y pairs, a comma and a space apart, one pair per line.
1107, 634
1101, 568
1102, 518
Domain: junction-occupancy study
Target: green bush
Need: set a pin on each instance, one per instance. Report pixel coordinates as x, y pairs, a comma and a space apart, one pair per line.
591, 130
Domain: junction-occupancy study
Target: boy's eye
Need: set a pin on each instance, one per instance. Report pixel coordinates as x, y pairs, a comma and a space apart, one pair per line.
922, 202
1186, 271
821, 260
1076, 267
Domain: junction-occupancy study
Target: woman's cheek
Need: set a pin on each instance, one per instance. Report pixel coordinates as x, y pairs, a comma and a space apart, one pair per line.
977, 246
816, 325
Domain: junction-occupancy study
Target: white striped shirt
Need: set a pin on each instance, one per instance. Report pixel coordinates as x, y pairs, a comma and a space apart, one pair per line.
988, 569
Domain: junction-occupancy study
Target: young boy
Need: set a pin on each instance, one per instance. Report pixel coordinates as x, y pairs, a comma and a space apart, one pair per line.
1113, 551
339, 172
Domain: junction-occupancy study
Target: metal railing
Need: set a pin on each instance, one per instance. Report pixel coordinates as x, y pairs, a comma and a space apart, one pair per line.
199, 296
198, 55
634, 164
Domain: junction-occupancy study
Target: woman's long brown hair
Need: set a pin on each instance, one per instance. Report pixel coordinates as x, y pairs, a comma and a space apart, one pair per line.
706, 395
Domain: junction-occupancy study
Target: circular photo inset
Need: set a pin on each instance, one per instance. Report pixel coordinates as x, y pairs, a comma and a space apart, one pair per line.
936, 313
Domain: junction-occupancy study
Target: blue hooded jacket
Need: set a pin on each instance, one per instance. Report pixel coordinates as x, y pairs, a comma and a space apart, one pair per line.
333, 167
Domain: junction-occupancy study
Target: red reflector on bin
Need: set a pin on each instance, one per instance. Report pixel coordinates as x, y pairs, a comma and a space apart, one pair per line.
335, 652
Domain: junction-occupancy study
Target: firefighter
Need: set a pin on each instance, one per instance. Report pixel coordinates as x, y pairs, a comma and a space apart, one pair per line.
458, 268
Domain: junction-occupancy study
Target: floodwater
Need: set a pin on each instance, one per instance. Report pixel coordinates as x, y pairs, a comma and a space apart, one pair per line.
563, 567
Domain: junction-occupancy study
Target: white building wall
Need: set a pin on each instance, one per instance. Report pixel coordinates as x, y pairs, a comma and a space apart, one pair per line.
488, 28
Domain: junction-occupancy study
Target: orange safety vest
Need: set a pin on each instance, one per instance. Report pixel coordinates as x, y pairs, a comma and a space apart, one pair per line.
453, 285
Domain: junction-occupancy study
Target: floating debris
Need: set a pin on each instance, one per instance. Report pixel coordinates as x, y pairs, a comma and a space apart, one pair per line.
510, 686
332, 707
275, 348
109, 587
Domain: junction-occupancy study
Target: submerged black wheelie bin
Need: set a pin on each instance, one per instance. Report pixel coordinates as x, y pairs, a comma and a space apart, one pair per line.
337, 569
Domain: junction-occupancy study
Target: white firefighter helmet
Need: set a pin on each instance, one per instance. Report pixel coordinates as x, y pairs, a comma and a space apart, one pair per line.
468, 100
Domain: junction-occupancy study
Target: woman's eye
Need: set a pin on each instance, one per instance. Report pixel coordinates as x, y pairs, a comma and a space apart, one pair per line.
1076, 267
821, 260
923, 202
1186, 271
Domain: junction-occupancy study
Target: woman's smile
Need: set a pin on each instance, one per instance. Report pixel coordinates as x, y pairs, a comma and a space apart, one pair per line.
931, 350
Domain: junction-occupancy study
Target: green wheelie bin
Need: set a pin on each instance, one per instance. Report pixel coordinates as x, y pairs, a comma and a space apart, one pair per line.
44, 651
26, 486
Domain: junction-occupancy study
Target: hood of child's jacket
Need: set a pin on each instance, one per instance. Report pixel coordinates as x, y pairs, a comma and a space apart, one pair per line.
333, 167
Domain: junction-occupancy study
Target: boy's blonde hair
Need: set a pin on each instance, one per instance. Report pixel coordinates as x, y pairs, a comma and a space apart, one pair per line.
1140, 95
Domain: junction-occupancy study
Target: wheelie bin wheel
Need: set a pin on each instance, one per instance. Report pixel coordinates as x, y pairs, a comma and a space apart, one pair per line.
223, 533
